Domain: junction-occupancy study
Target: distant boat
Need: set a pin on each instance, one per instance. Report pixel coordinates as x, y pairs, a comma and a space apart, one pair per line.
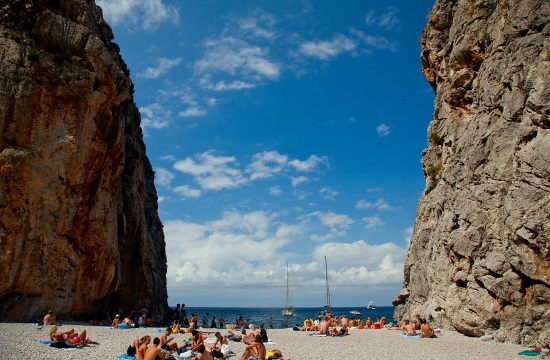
355, 313
288, 310
327, 310
371, 306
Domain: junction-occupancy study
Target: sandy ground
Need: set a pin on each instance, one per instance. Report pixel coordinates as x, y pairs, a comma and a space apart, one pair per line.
21, 341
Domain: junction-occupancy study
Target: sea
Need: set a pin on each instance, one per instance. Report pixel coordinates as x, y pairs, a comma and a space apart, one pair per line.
272, 317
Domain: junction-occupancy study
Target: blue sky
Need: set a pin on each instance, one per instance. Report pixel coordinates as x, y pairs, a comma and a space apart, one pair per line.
280, 131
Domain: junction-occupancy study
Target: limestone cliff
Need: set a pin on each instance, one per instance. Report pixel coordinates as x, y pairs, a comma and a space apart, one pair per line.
79, 228
479, 255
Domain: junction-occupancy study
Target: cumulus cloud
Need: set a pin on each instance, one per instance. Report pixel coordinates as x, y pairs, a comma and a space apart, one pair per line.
379, 204
164, 65
186, 192
297, 180
388, 19
233, 85
253, 243
275, 190
212, 172
148, 14
312, 163
372, 221
266, 164
329, 193
237, 57
383, 130
155, 116
328, 49
163, 176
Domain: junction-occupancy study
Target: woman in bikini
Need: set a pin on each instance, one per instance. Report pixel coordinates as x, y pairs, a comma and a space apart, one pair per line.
138, 347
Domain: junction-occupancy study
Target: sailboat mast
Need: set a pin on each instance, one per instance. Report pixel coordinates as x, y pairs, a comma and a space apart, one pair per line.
326, 279
287, 285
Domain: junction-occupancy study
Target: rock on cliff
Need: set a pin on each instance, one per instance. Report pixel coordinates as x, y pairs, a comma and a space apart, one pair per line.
479, 258
79, 228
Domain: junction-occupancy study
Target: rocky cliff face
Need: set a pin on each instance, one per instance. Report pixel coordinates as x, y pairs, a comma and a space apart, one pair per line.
79, 229
479, 258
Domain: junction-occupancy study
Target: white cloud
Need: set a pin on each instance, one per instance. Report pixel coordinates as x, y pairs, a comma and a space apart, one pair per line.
234, 85
275, 190
163, 176
383, 130
311, 164
155, 116
192, 111
332, 219
360, 262
266, 164
326, 50
251, 26
380, 204
164, 65
372, 221
187, 192
148, 14
212, 172
329, 193
238, 58
408, 233
297, 180
388, 19
375, 41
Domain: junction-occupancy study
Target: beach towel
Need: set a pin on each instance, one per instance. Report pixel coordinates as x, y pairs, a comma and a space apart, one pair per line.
158, 331
126, 356
46, 342
318, 334
529, 353
409, 336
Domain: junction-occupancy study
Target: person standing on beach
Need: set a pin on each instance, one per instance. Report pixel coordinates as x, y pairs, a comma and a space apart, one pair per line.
154, 353
222, 322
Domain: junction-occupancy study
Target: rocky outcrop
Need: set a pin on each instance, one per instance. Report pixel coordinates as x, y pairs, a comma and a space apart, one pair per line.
79, 228
479, 257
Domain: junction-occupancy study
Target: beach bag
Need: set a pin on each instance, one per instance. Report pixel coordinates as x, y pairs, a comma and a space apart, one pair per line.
216, 353
188, 355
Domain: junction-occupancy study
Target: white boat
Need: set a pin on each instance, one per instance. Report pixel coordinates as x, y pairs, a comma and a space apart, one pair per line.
288, 310
327, 310
371, 306
355, 313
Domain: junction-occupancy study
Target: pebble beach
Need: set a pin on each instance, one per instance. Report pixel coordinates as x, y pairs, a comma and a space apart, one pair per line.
22, 341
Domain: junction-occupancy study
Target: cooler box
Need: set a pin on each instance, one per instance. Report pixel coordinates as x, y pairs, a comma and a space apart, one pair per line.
377, 325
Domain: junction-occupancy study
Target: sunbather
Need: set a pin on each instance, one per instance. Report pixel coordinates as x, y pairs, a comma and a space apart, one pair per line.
166, 342
408, 328
116, 321
426, 330
138, 347
49, 319
257, 348
247, 338
154, 352
197, 342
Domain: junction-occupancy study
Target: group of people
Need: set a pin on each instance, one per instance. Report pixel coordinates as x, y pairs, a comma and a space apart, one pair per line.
135, 319
418, 326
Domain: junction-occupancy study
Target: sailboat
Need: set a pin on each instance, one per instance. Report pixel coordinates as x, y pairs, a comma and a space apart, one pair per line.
327, 310
288, 310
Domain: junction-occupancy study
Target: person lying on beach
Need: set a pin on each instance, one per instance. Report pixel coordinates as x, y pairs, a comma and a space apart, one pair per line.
426, 330
166, 342
255, 349
408, 328
154, 352
126, 323
247, 338
59, 336
138, 347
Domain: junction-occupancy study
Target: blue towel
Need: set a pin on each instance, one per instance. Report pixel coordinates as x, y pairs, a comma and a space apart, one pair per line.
529, 353
46, 342
159, 331
125, 356
408, 336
